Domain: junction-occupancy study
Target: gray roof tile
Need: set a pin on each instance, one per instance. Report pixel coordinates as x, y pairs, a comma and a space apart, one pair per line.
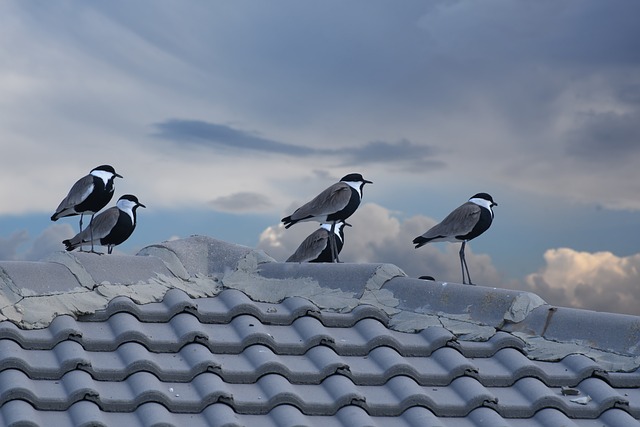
209, 334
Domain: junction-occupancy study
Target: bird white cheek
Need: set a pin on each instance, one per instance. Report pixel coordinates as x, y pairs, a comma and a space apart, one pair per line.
103, 175
482, 202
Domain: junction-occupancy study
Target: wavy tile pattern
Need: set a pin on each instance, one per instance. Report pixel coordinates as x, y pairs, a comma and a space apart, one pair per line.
230, 361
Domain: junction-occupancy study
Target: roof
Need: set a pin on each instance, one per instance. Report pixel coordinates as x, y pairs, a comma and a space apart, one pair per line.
201, 332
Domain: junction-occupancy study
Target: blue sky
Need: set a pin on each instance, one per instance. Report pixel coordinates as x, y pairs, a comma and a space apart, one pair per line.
225, 116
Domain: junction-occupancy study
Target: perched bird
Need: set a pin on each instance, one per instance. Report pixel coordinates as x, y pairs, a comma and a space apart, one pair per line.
316, 247
336, 203
463, 224
88, 195
111, 227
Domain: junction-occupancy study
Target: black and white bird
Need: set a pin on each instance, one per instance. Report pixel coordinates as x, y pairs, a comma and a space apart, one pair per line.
317, 247
111, 227
336, 203
88, 195
465, 223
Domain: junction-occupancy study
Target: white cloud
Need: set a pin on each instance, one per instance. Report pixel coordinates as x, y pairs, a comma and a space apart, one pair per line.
599, 281
20, 247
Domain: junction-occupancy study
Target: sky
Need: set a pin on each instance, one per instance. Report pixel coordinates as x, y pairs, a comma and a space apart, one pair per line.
223, 117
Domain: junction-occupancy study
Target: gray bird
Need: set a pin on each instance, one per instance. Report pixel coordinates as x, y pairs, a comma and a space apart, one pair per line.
109, 228
465, 223
88, 195
336, 203
317, 247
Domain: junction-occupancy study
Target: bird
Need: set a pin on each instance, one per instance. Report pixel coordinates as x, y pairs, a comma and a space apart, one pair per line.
88, 195
465, 223
111, 227
316, 247
336, 203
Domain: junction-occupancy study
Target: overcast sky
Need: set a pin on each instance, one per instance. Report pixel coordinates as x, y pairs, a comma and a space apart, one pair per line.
223, 117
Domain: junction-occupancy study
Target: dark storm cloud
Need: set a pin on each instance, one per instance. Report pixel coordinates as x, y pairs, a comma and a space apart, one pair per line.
387, 152
221, 136
241, 202
209, 134
606, 136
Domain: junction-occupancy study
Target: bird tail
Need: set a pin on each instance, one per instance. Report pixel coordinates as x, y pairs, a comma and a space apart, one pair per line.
74, 242
420, 241
288, 222
69, 245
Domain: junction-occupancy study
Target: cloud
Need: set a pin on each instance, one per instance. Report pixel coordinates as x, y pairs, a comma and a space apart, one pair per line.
598, 281
608, 135
419, 157
241, 202
47, 242
221, 136
209, 134
9, 246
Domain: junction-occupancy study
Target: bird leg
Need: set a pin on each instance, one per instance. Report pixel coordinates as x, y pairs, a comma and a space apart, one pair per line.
81, 215
463, 264
91, 232
332, 243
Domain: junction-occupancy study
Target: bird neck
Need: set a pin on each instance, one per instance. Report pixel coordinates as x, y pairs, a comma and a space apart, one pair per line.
482, 203
336, 229
103, 175
356, 186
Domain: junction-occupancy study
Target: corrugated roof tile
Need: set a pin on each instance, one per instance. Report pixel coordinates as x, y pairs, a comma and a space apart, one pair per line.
225, 359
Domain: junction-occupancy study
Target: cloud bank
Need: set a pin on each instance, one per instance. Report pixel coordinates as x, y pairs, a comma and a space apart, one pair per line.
599, 281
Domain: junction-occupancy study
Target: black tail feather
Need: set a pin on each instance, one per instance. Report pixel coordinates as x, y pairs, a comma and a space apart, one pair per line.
288, 222
69, 246
420, 241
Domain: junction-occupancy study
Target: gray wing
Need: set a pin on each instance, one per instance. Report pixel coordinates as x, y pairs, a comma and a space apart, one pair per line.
311, 247
458, 223
332, 199
80, 191
101, 225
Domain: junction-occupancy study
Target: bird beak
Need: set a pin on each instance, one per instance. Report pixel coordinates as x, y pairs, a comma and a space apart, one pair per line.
141, 205
119, 176
367, 181
347, 224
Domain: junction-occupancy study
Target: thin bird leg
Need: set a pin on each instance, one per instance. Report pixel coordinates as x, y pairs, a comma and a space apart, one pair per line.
332, 243
81, 215
463, 264
91, 233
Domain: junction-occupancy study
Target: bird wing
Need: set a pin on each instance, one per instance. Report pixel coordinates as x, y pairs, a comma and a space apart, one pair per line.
101, 224
331, 200
78, 193
458, 223
311, 247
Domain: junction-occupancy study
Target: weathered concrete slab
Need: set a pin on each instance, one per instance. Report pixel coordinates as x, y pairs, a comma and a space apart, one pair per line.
113, 269
619, 333
38, 277
484, 305
351, 278
202, 256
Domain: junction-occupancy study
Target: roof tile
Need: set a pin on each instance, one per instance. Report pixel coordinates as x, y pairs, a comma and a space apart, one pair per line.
190, 344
